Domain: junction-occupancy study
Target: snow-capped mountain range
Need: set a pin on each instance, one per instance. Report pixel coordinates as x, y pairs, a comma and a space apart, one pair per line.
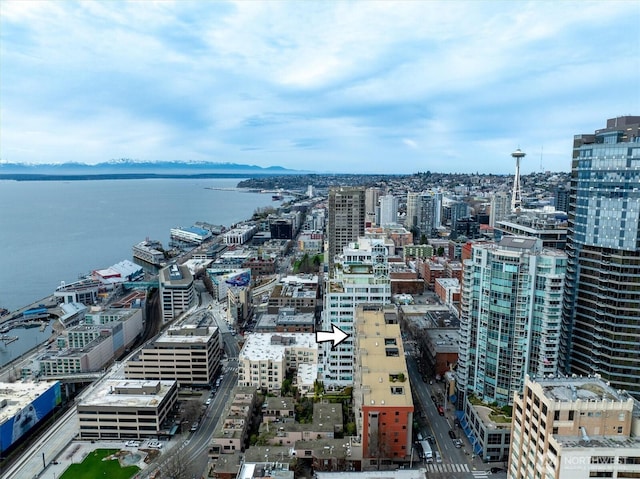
127, 167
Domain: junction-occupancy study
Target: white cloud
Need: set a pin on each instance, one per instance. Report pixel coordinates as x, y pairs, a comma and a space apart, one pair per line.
344, 85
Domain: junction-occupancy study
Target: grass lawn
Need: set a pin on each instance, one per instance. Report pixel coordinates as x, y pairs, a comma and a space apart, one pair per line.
93, 467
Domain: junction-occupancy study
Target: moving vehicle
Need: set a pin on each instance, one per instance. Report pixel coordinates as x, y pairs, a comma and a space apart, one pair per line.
427, 453
452, 434
441, 410
438, 457
194, 426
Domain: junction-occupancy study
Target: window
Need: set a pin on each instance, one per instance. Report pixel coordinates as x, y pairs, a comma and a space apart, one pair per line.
571, 413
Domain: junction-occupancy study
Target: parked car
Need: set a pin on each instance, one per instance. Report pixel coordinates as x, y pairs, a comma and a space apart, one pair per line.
132, 444
494, 470
155, 445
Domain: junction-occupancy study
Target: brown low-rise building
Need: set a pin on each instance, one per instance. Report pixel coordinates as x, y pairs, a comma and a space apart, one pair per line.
301, 292
233, 429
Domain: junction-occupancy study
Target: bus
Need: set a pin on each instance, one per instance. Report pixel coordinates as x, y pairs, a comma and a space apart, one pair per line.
427, 453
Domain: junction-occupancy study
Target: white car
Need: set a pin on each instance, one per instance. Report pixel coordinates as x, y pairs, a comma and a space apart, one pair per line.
132, 444
155, 445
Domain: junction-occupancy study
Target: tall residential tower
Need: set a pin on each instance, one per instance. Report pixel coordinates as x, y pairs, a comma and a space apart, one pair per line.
601, 328
346, 219
510, 316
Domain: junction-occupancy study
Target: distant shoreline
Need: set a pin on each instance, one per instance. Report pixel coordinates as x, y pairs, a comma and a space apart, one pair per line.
126, 176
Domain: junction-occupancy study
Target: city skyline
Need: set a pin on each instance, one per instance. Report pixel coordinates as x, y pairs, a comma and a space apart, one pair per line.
376, 87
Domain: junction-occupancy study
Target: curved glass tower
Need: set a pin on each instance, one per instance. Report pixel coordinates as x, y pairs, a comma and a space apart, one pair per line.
601, 310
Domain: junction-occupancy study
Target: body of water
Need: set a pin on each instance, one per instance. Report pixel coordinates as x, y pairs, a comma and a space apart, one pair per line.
26, 339
53, 231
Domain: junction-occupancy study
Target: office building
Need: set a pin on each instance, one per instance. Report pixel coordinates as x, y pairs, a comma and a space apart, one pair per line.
388, 210
361, 275
500, 207
127, 409
372, 207
561, 198
299, 292
574, 428
189, 353
601, 329
423, 213
346, 219
383, 405
177, 291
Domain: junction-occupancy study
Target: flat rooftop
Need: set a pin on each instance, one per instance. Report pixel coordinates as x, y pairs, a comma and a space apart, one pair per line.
19, 395
578, 442
565, 389
105, 393
258, 346
188, 334
380, 353
444, 340
397, 474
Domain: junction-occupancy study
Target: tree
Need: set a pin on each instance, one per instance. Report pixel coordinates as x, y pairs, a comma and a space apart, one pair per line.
177, 467
350, 429
287, 387
192, 410
208, 284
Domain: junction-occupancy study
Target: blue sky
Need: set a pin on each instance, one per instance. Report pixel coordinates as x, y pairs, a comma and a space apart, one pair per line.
337, 86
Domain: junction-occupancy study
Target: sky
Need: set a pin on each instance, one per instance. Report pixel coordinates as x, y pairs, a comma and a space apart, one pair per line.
324, 86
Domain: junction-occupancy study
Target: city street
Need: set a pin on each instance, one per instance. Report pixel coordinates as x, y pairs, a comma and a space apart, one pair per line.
456, 462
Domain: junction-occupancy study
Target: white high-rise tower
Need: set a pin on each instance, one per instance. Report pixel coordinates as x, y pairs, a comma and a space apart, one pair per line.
516, 194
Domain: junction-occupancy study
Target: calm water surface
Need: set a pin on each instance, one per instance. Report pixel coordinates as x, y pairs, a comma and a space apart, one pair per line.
53, 231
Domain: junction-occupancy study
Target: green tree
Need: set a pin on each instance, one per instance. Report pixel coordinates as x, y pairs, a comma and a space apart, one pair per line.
287, 387
350, 429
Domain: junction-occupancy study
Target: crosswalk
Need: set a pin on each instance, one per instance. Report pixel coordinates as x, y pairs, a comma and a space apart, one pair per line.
480, 475
448, 468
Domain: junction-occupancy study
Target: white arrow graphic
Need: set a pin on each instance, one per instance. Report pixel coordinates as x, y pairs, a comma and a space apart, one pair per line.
337, 336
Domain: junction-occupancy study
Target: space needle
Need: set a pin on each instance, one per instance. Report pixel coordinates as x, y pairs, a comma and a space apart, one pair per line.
516, 194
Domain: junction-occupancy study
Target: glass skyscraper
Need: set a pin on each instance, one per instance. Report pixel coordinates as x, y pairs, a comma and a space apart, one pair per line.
601, 328
511, 311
